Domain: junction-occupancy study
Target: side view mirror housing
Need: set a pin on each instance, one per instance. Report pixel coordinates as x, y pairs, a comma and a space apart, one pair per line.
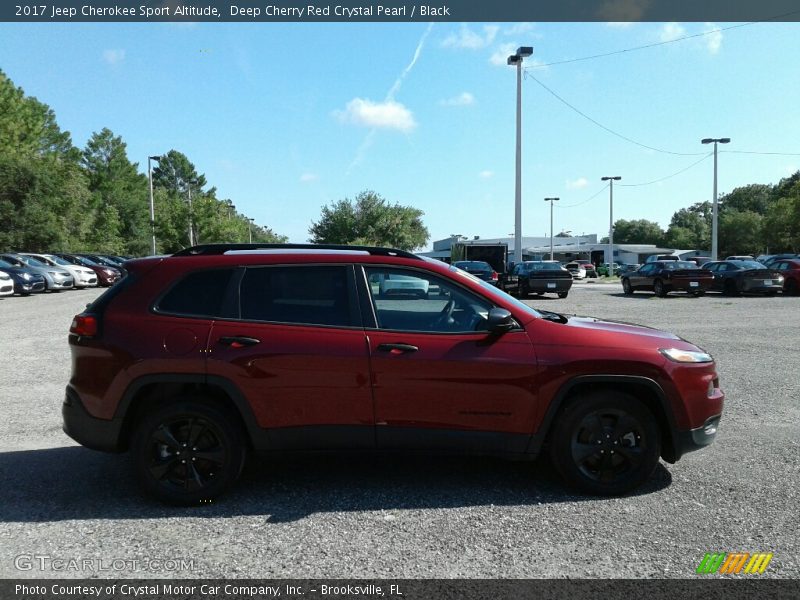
500, 321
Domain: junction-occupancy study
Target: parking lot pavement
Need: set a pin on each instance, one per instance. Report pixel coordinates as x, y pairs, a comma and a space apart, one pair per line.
391, 517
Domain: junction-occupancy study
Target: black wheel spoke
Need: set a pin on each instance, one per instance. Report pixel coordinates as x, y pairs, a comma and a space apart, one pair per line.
196, 429
193, 478
633, 454
625, 424
215, 455
160, 469
581, 452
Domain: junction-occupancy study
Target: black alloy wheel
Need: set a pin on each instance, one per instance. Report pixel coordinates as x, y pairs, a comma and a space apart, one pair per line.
627, 288
660, 289
188, 452
606, 443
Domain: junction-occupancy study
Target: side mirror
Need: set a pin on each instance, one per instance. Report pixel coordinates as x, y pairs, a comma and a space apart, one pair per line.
500, 321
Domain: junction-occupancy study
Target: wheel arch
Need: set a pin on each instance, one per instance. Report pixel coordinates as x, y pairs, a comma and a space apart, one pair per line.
149, 391
644, 389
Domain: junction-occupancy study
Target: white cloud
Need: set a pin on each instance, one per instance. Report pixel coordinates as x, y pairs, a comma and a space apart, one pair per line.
463, 99
519, 29
501, 54
380, 115
113, 57
577, 184
713, 39
466, 38
486, 174
308, 177
671, 32
620, 24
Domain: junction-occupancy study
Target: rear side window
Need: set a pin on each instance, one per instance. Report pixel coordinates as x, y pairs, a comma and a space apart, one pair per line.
306, 295
199, 294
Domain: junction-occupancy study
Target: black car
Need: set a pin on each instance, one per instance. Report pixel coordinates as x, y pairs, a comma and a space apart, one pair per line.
26, 281
665, 276
105, 261
539, 277
478, 268
734, 277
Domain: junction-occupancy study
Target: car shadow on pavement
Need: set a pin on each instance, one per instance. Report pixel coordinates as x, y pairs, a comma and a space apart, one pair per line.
65, 483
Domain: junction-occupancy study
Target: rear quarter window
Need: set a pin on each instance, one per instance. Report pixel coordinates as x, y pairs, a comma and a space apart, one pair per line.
199, 294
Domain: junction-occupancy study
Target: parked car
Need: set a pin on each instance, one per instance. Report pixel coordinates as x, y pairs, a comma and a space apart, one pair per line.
26, 281
604, 270
480, 269
539, 277
393, 285
576, 269
588, 266
105, 261
83, 276
699, 260
6, 284
665, 276
55, 278
740, 257
628, 267
661, 257
106, 276
770, 259
733, 277
790, 269
236, 349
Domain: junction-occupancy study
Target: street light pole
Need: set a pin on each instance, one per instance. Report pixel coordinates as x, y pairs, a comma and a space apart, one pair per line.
551, 200
516, 59
250, 228
611, 181
714, 214
152, 205
191, 225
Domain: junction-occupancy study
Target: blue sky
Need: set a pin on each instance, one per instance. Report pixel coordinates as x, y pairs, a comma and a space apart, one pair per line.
285, 118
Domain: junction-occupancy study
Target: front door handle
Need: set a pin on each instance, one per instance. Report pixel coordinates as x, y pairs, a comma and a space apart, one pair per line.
239, 341
397, 348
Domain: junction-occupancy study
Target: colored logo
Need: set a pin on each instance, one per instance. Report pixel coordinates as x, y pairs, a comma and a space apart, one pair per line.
734, 563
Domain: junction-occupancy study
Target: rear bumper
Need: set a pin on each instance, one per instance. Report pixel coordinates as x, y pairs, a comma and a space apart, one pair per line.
88, 431
544, 285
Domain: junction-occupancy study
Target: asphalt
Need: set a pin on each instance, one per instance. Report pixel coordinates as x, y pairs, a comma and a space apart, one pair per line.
394, 517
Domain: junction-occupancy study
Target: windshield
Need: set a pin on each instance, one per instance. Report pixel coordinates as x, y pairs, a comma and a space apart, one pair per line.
678, 264
497, 294
747, 264
542, 266
472, 264
32, 262
5, 264
59, 261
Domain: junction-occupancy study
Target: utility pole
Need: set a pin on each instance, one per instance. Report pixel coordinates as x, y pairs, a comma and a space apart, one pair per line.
516, 60
714, 214
611, 181
551, 200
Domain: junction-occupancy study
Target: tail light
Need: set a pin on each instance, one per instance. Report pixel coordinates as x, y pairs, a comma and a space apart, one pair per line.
494, 275
84, 325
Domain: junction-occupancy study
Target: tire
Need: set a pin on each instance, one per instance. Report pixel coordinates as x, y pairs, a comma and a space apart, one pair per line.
699, 294
524, 292
562, 294
217, 458
660, 289
730, 289
605, 443
627, 288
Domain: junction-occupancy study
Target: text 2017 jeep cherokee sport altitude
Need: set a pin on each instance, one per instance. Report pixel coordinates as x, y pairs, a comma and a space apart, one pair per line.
197, 358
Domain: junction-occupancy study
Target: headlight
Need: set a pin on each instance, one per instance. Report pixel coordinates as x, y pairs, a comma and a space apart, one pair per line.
27, 276
108, 272
686, 356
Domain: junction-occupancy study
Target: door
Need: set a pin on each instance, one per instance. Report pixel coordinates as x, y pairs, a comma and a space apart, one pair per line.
440, 380
297, 352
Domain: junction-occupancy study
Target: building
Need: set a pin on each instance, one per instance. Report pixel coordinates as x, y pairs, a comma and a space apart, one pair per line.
441, 248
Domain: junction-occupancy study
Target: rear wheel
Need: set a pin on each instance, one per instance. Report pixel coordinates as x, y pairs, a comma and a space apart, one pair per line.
605, 443
188, 452
562, 294
699, 293
660, 289
524, 290
790, 287
627, 287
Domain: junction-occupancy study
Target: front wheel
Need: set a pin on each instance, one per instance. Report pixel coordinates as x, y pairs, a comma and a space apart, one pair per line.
660, 289
188, 452
627, 288
605, 443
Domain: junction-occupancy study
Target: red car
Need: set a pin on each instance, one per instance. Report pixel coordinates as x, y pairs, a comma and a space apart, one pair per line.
195, 359
790, 269
106, 275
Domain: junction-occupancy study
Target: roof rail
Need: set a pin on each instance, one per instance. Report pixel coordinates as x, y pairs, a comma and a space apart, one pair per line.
215, 249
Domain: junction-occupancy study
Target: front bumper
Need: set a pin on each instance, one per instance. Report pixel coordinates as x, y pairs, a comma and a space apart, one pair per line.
28, 287
696, 439
89, 431
63, 284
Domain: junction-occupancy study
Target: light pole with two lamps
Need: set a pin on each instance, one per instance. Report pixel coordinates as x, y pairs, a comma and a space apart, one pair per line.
516, 59
152, 205
714, 230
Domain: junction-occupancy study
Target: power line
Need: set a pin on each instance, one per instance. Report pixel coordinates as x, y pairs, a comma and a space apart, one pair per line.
762, 153
603, 189
655, 44
611, 131
694, 164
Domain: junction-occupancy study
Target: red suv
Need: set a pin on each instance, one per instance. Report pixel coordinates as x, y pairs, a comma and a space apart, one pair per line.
195, 359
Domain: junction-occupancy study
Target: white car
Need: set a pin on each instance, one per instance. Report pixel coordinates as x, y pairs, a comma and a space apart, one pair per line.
83, 276
6, 285
403, 285
577, 270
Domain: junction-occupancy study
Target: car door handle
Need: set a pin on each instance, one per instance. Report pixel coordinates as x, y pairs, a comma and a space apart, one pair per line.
239, 341
397, 348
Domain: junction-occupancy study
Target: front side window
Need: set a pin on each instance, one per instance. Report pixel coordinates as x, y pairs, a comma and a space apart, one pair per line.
304, 295
408, 300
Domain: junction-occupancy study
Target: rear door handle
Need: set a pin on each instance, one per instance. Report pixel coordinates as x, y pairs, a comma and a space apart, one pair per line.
239, 341
397, 348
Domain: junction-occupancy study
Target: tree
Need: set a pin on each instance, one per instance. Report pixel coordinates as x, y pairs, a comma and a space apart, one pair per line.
370, 220
740, 232
781, 225
639, 231
754, 198
690, 227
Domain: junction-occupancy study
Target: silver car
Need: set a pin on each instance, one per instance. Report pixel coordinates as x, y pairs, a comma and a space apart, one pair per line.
83, 276
55, 278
